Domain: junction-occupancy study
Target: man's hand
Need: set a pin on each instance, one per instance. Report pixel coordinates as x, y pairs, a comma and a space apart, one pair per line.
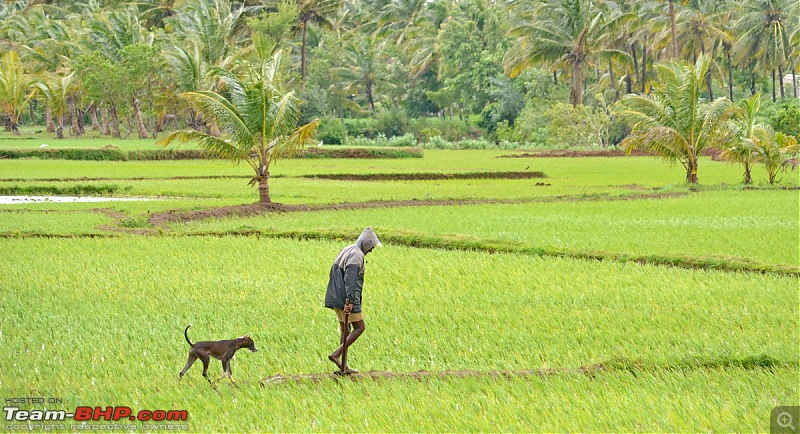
348, 307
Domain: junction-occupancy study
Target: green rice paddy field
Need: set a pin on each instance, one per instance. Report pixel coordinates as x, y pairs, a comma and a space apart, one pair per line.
96, 295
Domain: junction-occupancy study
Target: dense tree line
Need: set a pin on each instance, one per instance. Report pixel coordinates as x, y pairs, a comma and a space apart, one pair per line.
518, 69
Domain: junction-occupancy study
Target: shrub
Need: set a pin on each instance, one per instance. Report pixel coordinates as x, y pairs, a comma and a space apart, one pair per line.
404, 141
530, 126
576, 126
360, 127
331, 131
449, 129
786, 119
437, 142
617, 131
506, 105
391, 123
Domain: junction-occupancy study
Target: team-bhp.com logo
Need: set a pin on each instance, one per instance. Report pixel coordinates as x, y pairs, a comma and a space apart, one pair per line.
17, 418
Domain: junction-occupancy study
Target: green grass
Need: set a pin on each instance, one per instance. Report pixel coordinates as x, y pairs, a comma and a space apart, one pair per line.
33, 138
52, 223
97, 319
747, 225
101, 323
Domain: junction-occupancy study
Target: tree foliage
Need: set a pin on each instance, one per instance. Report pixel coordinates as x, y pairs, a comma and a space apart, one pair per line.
257, 116
676, 122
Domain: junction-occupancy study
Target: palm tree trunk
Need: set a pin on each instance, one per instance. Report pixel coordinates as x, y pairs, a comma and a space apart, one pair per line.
673, 29
62, 120
48, 120
748, 179
708, 74
780, 81
773, 85
730, 74
370, 99
263, 189
32, 107
303, 53
635, 65
81, 125
576, 94
73, 114
611, 78
137, 111
644, 65
628, 83
691, 170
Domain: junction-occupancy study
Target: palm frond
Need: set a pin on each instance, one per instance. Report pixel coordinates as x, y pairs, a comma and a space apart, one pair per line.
228, 117
218, 147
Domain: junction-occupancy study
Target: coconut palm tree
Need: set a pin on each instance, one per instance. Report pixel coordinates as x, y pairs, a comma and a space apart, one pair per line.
13, 88
700, 27
319, 12
564, 34
675, 122
740, 151
399, 18
771, 148
764, 35
362, 64
56, 89
257, 118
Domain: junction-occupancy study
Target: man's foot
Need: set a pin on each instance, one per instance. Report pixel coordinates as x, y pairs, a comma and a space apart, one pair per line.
335, 361
346, 371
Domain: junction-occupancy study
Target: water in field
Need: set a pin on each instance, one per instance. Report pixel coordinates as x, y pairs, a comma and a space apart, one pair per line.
6, 200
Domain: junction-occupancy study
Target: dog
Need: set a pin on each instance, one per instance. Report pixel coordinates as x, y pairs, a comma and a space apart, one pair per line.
222, 350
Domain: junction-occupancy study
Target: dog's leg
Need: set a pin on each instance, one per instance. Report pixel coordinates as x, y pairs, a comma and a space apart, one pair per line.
189, 363
205, 359
230, 373
226, 370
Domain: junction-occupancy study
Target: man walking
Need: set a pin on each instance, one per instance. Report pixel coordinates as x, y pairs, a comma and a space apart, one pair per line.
345, 283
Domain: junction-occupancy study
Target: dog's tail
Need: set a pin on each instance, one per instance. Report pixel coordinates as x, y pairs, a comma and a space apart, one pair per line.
186, 335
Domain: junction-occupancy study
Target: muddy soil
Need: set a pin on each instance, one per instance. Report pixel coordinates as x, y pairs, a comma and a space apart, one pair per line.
164, 218
339, 177
428, 176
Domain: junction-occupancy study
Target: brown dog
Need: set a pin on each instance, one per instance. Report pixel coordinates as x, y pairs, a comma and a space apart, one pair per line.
222, 350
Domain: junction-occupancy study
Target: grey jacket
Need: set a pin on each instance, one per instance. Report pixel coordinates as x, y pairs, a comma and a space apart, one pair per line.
347, 273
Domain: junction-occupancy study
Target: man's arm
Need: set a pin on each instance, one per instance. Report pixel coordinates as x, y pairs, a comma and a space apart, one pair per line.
351, 286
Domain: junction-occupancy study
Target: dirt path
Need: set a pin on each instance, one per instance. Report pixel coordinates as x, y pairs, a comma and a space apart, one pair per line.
419, 375
414, 176
615, 365
433, 176
164, 218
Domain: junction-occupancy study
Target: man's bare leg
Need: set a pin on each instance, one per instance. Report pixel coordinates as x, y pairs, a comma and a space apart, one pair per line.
358, 329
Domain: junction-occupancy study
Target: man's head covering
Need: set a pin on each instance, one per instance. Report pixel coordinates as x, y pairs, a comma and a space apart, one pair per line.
367, 240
